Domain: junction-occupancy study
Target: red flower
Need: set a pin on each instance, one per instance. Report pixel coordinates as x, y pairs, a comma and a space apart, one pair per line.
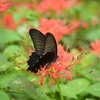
96, 47
55, 5
26, 4
94, 21
8, 22
85, 25
57, 27
5, 4
61, 68
72, 26
54, 26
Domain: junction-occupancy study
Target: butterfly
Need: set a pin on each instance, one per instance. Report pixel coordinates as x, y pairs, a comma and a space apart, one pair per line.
45, 50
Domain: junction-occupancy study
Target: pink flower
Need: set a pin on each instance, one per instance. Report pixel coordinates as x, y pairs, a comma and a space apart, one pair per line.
57, 28
95, 47
55, 5
26, 4
54, 26
5, 4
61, 68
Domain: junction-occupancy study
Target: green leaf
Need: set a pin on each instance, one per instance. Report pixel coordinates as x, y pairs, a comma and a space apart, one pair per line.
94, 89
12, 50
8, 36
32, 15
93, 34
78, 85
17, 16
22, 30
66, 91
33, 18
27, 88
4, 64
89, 99
3, 96
5, 79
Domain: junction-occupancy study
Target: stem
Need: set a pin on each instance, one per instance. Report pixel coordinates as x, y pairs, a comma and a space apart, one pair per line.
59, 90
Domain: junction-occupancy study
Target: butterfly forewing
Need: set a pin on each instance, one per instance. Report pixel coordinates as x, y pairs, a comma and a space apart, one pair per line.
38, 40
50, 44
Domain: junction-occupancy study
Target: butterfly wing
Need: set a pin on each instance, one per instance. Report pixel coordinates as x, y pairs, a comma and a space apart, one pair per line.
46, 50
50, 44
33, 59
50, 49
38, 40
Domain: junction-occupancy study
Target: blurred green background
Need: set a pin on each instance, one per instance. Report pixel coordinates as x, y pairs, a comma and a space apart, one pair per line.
82, 19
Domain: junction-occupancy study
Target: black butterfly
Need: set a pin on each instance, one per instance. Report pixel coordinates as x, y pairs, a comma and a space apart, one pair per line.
45, 50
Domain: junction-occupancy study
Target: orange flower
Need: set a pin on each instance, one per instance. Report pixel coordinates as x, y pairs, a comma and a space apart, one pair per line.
4, 5
95, 47
59, 69
8, 22
55, 5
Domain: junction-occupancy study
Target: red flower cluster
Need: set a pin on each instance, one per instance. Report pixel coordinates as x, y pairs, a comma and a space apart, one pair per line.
55, 5
26, 4
8, 22
61, 68
4, 5
57, 28
85, 25
96, 47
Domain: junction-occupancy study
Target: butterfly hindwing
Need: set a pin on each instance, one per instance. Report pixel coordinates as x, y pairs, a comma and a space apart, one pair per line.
33, 58
38, 40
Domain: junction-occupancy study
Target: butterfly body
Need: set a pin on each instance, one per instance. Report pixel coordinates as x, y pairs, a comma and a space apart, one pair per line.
45, 50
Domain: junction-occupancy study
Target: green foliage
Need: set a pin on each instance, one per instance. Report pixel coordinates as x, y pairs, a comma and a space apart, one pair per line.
74, 87
7, 36
21, 86
18, 84
4, 96
94, 89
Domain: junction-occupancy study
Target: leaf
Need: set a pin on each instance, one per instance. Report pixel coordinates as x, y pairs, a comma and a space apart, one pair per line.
94, 89
3, 96
7, 36
93, 34
27, 88
5, 79
33, 18
4, 64
66, 91
12, 51
22, 30
89, 99
78, 85
32, 15
18, 16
